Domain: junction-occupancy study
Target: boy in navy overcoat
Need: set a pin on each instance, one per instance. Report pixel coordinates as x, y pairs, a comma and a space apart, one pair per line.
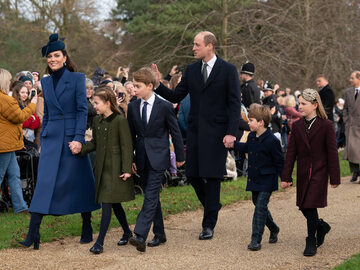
265, 165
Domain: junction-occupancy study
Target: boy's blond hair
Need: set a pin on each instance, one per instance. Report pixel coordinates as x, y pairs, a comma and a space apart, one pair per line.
260, 112
145, 75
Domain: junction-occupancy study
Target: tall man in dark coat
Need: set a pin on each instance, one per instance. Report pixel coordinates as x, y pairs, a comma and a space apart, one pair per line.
249, 90
327, 95
214, 88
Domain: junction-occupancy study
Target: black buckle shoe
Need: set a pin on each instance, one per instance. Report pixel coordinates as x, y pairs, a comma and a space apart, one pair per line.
157, 240
138, 242
274, 236
206, 234
97, 249
254, 246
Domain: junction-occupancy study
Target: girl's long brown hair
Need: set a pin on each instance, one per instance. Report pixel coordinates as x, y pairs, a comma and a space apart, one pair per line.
105, 93
15, 88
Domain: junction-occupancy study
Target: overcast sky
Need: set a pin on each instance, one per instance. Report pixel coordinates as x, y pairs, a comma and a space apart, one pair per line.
105, 6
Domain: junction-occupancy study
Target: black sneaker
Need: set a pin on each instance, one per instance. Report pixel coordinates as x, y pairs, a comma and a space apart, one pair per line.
254, 246
274, 236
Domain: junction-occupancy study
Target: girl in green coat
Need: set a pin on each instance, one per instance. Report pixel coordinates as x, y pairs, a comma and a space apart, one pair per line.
114, 155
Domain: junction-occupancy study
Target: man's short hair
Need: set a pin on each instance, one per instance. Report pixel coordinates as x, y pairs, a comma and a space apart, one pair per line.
357, 74
209, 38
322, 76
145, 75
260, 112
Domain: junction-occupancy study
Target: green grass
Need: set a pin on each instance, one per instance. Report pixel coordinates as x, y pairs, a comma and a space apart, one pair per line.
351, 264
173, 199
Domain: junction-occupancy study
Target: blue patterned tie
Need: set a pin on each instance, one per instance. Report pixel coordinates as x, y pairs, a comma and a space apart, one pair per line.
144, 114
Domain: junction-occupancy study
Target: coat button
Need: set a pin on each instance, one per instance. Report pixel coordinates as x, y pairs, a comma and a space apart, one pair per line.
249, 166
249, 179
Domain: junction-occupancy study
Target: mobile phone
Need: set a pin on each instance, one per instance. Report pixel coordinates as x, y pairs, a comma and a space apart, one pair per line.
33, 93
120, 95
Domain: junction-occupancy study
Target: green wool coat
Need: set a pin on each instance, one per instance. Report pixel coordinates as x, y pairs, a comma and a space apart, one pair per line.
114, 155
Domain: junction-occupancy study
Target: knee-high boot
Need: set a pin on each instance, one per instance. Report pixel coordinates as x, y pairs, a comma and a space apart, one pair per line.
33, 236
87, 231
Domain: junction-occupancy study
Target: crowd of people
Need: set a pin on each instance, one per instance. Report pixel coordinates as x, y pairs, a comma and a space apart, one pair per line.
126, 127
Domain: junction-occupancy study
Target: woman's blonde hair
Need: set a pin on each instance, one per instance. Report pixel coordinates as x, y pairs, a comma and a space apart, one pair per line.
120, 88
313, 97
290, 101
5, 80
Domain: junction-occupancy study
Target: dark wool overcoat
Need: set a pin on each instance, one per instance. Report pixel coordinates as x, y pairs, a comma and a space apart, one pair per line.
214, 113
65, 183
317, 160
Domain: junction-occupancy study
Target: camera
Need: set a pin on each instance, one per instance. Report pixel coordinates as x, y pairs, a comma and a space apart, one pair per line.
33, 93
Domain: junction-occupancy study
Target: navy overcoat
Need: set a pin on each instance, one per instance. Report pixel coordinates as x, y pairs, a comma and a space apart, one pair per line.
214, 113
65, 183
266, 161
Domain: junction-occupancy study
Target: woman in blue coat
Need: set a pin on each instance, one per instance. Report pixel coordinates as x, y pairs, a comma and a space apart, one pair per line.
65, 183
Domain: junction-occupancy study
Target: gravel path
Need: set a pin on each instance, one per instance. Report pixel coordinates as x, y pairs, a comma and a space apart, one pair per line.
228, 248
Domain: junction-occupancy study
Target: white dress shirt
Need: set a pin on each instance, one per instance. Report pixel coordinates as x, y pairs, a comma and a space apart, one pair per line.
210, 65
149, 107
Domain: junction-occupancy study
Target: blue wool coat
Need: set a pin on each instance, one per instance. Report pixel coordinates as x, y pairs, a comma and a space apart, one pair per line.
65, 183
266, 161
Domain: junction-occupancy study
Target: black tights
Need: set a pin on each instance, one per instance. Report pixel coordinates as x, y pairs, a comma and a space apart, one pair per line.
106, 217
312, 217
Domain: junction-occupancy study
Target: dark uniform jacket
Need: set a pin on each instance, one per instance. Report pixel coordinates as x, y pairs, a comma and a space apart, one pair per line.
328, 100
276, 120
266, 161
250, 93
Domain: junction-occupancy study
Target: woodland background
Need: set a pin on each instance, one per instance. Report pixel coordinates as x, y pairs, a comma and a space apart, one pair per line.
289, 41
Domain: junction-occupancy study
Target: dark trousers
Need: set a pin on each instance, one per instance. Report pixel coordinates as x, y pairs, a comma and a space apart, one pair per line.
354, 168
106, 218
312, 218
151, 209
262, 215
208, 193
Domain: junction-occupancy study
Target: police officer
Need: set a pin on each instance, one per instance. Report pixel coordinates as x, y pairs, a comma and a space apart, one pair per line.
250, 91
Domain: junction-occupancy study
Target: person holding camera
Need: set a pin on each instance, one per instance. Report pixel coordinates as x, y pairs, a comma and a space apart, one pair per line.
122, 98
11, 138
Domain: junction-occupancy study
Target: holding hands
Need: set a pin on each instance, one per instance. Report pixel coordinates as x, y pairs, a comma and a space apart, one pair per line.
125, 176
75, 147
286, 184
228, 141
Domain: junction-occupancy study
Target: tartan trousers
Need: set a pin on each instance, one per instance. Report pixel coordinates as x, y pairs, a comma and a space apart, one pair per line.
262, 215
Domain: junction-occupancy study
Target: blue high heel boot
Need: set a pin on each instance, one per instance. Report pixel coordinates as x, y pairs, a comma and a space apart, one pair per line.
33, 236
87, 231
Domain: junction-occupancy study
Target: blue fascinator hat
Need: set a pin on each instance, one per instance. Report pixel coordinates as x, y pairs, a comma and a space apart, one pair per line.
54, 44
